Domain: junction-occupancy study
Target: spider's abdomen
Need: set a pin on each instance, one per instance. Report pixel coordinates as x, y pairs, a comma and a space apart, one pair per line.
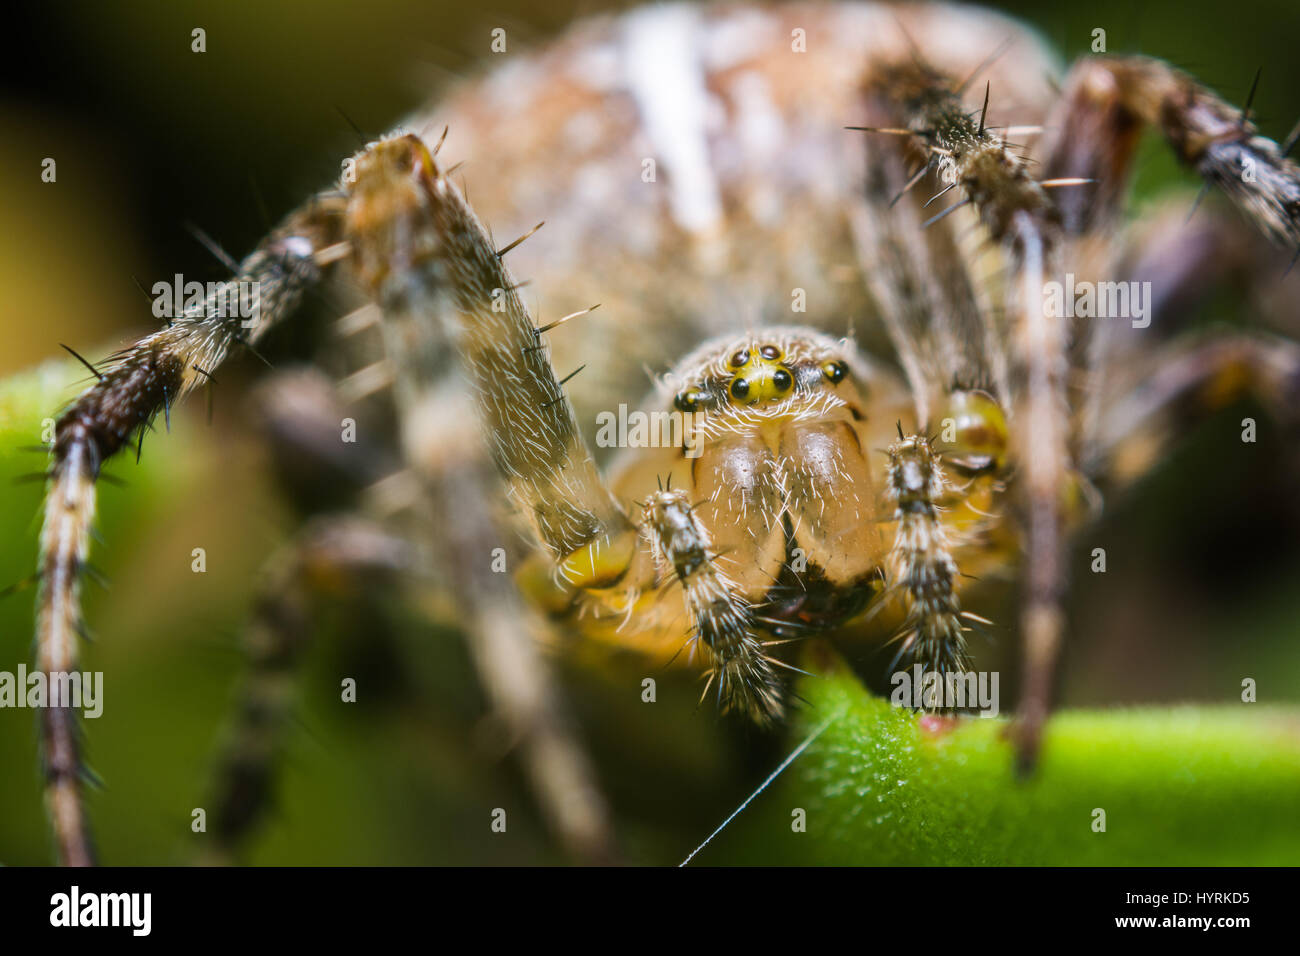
692, 168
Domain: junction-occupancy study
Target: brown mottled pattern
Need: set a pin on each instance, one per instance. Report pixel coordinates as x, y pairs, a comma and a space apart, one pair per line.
559, 136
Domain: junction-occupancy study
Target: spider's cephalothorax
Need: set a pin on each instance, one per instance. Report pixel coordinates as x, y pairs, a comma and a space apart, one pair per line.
774, 460
784, 508
696, 177
777, 458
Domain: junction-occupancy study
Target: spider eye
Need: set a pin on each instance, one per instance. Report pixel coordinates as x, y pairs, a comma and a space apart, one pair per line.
687, 401
835, 371
770, 352
782, 380
740, 388
739, 359
974, 431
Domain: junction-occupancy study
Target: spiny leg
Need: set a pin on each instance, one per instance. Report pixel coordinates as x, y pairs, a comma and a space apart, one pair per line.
444, 293
1016, 210
531, 428
922, 567
1042, 448
530, 423
915, 268
1033, 228
1095, 129
950, 340
1107, 101
133, 386
724, 622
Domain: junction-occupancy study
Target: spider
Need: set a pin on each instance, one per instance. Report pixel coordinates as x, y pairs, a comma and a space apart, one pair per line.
751, 183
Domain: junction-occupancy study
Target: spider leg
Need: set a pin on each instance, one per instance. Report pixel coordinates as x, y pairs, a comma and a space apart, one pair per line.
922, 567
444, 295
1106, 101
1017, 212
940, 323
531, 427
723, 621
1105, 104
1190, 378
330, 551
1039, 228
132, 387
530, 424
1041, 446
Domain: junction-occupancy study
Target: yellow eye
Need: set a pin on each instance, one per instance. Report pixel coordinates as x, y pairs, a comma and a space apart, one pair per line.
974, 431
835, 371
759, 375
687, 401
762, 384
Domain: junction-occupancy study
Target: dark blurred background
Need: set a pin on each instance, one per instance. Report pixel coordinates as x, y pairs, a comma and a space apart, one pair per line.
149, 136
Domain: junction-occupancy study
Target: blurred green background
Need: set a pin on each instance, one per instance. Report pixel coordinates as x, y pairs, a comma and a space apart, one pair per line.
148, 136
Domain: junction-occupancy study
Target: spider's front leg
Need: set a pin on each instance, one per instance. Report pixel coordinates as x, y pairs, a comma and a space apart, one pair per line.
1041, 228
722, 619
132, 387
444, 294
530, 424
955, 345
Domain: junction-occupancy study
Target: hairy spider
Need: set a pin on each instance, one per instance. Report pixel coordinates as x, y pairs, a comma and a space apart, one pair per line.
701, 184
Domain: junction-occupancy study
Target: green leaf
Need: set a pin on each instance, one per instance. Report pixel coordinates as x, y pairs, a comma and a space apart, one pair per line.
1179, 786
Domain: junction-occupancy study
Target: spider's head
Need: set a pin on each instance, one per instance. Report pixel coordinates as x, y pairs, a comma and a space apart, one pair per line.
775, 372
760, 375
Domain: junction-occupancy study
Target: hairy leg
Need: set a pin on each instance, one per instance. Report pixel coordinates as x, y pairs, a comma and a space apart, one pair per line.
1096, 125
530, 424
132, 387
1105, 103
447, 304
1017, 212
